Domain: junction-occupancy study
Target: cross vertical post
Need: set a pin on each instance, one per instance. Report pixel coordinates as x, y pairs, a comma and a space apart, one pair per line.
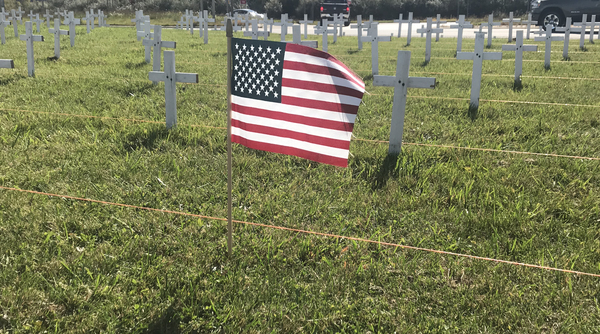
322, 30
3, 24
254, 33
297, 38
29, 38
14, 21
399, 21
71, 21
548, 39
359, 27
582, 29
519, 48
478, 56
57, 32
593, 25
157, 44
87, 21
510, 21
429, 30
146, 36
461, 24
410, 21
490, 24
171, 77
529, 22
207, 19
401, 82
138, 19
567, 30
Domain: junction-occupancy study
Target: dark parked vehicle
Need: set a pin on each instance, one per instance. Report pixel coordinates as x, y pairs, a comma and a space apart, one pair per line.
555, 12
331, 7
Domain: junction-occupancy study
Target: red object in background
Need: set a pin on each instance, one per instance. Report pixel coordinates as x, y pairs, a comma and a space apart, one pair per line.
243, 2
321, 8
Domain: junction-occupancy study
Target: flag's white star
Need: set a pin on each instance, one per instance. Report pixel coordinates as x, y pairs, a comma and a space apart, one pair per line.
276, 61
266, 93
276, 95
278, 50
252, 47
269, 49
237, 57
254, 64
242, 89
276, 72
275, 83
244, 46
235, 67
259, 48
271, 88
272, 66
237, 46
273, 55
271, 77
236, 88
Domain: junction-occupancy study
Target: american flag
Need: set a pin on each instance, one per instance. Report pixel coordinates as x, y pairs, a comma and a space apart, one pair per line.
292, 99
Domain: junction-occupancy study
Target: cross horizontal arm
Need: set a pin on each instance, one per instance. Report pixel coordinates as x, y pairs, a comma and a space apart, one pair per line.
147, 42
384, 80
7, 63
509, 47
156, 76
186, 77
465, 55
169, 44
492, 56
530, 48
416, 82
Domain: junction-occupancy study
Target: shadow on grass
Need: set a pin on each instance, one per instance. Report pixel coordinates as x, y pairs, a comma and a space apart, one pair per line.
54, 59
473, 112
13, 78
378, 172
518, 85
351, 52
368, 77
133, 89
135, 66
167, 323
424, 63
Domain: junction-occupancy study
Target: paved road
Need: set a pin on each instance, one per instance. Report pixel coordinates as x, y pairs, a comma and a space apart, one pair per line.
386, 29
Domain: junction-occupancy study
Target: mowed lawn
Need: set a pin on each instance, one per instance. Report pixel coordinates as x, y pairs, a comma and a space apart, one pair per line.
73, 266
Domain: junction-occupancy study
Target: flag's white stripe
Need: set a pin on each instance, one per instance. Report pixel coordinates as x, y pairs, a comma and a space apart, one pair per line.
281, 141
319, 96
321, 78
312, 60
296, 127
294, 110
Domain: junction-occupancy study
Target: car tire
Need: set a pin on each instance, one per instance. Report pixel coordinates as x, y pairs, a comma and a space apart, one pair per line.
552, 16
346, 23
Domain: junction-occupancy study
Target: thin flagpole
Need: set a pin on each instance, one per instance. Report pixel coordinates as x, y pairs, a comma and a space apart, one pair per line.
229, 31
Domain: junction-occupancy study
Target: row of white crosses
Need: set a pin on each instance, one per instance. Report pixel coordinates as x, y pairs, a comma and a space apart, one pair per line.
254, 33
323, 30
374, 39
203, 20
428, 31
3, 24
284, 24
410, 21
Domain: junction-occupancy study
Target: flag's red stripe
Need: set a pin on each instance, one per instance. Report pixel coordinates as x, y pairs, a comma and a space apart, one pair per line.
326, 159
316, 104
335, 143
318, 53
318, 69
322, 87
321, 123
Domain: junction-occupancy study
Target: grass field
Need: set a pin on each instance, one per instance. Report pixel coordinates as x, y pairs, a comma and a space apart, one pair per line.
72, 266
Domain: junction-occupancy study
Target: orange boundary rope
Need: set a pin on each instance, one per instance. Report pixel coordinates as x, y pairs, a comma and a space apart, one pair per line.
329, 235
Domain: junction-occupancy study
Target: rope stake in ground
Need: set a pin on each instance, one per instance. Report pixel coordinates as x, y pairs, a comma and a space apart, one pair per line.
329, 235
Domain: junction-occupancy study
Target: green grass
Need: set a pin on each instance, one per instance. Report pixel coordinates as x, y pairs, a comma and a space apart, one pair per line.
70, 266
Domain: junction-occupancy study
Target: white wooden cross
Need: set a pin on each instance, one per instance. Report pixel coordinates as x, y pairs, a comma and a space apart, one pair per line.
461, 24
7, 63
284, 24
38, 22
529, 22
3, 12
147, 37
478, 56
206, 20
359, 27
191, 19
421, 30
437, 22
20, 15
410, 21
71, 21
335, 30
519, 48
57, 32
582, 29
567, 30
490, 25
3, 24
235, 27
29, 38
297, 38
101, 21
87, 19
179, 24
48, 16
267, 23
94, 16
399, 21
429, 30
171, 77
139, 19
14, 19
255, 34
401, 82
157, 44
104, 24
548, 39
31, 15
338, 20
593, 25
374, 40
306, 22
322, 30
510, 21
